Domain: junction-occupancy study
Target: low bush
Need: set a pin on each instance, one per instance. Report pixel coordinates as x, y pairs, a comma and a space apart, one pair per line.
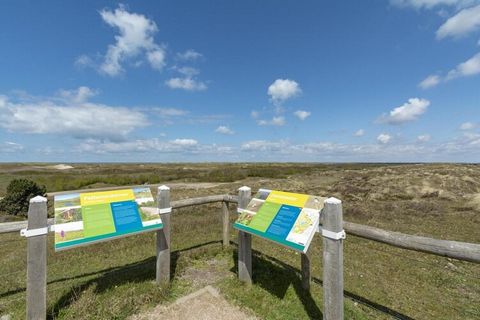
19, 193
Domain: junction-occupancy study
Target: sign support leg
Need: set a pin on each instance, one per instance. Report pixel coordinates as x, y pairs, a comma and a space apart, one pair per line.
163, 238
306, 276
244, 241
226, 225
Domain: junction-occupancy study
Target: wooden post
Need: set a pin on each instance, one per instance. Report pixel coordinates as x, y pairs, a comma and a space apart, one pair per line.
36, 234
244, 241
333, 235
226, 225
306, 276
163, 237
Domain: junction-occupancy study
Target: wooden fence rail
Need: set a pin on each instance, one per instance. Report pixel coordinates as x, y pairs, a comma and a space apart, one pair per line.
447, 248
452, 249
332, 233
16, 226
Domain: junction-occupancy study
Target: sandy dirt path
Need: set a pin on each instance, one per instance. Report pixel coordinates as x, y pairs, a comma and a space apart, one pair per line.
204, 304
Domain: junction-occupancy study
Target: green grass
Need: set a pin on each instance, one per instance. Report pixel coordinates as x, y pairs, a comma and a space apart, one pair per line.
115, 279
99, 175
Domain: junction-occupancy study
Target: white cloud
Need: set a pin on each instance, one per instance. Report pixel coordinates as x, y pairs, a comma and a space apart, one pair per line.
263, 145
468, 68
79, 95
276, 121
224, 130
187, 83
424, 138
189, 55
185, 142
429, 4
384, 150
10, 147
472, 137
283, 89
157, 58
154, 145
3, 101
188, 71
407, 112
467, 126
134, 39
207, 119
462, 23
84, 61
169, 112
302, 114
384, 138
466, 20
254, 114
430, 81
359, 133
73, 116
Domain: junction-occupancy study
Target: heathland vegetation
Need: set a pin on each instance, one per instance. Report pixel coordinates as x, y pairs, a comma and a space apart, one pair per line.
114, 279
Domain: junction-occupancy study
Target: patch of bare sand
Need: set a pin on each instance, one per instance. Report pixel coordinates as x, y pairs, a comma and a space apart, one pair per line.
60, 167
209, 274
20, 168
204, 304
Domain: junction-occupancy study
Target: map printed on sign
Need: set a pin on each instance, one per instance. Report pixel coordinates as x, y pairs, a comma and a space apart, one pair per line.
290, 219
84, 218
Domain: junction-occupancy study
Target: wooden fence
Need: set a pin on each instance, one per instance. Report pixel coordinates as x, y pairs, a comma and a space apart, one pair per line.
331, 220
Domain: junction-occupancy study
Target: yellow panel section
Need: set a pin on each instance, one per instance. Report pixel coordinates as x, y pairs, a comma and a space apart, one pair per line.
292, 199
90, 198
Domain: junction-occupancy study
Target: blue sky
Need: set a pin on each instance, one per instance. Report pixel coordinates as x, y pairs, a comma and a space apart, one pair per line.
193, 81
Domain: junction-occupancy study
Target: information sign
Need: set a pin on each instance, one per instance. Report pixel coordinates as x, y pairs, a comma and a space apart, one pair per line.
290, 219
84, 218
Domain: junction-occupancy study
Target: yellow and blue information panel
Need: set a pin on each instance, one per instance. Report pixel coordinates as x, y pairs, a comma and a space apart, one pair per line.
84, 218
290, 219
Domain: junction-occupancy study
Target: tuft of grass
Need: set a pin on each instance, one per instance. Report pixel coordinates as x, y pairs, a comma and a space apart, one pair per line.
116, 279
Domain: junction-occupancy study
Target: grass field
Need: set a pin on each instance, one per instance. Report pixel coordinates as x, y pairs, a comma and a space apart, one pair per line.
115, 279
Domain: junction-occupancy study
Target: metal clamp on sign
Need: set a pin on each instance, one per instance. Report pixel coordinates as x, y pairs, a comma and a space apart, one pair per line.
164, 210
334, 235
33, 232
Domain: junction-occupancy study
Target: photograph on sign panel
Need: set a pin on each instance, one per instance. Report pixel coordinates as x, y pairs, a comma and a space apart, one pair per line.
68, 214
67, 200
314, 202
146, 206
68, 230
68, 217
262, 194
245, 218
149, 214
143, 196
254, 205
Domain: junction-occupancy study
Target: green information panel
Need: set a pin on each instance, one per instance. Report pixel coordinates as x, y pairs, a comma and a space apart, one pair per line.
84, 218
290, 219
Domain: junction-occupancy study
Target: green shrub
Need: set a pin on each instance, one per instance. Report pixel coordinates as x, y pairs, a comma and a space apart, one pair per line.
19, 193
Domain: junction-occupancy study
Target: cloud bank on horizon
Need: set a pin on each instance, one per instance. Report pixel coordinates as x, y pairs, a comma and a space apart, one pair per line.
135, 91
